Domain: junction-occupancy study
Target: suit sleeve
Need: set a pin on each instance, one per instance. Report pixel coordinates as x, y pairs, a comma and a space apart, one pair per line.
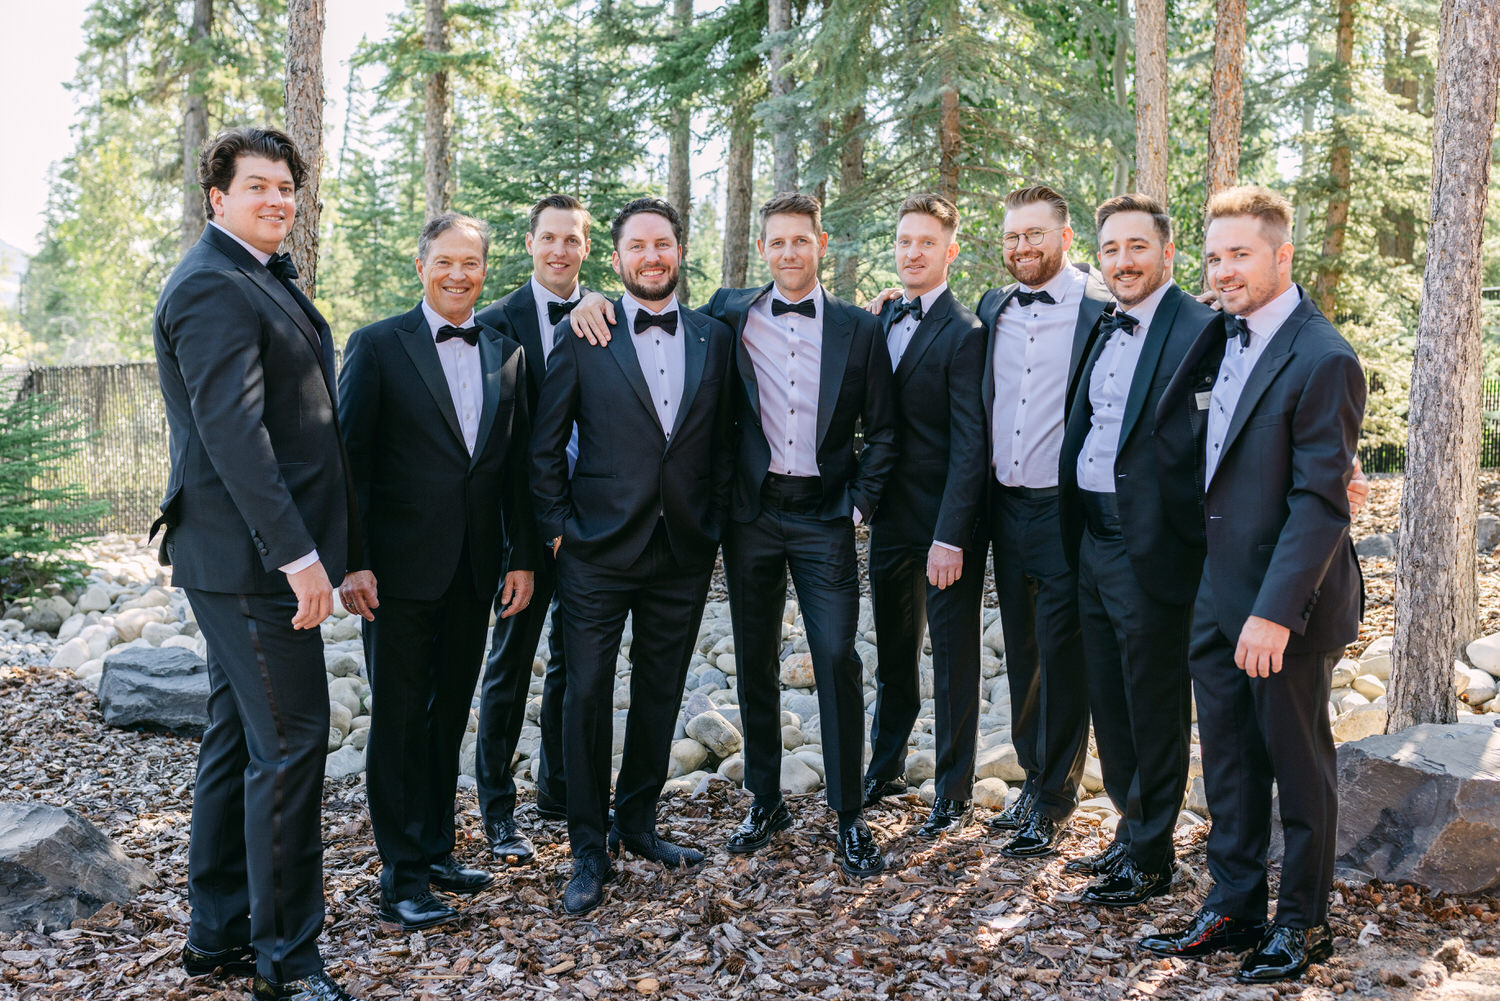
359, 417
557, 409
878, 421
216, 334
967, 464
1325, 433
517, 513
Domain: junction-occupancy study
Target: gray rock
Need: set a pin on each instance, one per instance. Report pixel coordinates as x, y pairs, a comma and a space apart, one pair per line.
47, 615
696, 705
714, 732
1484, 653
342, 665
796, 670
1487, 533
346, 761
797, 777
804, 704
159, 687
157, 633
687, 756
95, 598
56, 867
71, 654
1423, 806
1376, 545
713, 676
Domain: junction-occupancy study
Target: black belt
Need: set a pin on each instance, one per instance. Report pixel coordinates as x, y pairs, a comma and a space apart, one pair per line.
792, 493
1030, 493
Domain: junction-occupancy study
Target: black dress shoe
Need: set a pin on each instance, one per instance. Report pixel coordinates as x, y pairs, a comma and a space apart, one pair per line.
859, 856
236, 961
422, 911
507, 843
948, 815
1208, 932
878, 789
1100, 864
1040, 835
551, 810
1128, 884
585, 890
652, 846
448, 874
1012, 817
755, 831
1284, 953
314, 987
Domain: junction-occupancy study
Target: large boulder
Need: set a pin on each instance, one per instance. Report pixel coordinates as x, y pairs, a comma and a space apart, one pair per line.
1423, 806
159, 687
56, 867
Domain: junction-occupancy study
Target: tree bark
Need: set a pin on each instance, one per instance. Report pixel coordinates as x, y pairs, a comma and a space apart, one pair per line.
1336, 220
783, 122
949, 142
437, 147
1151, 98
680, 156
1226, 106
851, 179
304, 123
1398, 238
1436, 606
1117, 74
740, 184
195, 123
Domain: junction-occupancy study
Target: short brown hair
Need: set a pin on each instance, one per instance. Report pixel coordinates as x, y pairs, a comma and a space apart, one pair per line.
1272, 210
1136, 202
220, 158
1022, 197
438, 225
565, 202
792, 203
653, 206
935, 205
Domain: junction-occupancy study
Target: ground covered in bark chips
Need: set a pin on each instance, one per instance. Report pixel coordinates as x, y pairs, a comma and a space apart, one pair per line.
952, 920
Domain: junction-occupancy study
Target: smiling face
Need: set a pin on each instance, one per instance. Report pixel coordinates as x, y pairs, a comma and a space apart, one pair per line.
453, 273
1036, 265
1244, 265
924, 249
558, 246
792, 246
1134, 258
260, 204
647, 257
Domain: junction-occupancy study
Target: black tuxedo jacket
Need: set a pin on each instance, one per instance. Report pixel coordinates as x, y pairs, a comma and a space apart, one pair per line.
514, 315
258, 476
1277, 511
421, 495
854, 387
936, 490
629, 475
1167, 559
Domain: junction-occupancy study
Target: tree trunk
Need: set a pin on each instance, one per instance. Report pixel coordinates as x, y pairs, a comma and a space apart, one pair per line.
1307, 170
1436, 610
822, 136
195, 123
1226, 106
851, 179
783, 122
1151, 99
1398, 238
949, 142
1117, 76
1336, 221
740, 184
304, 123
438, 154
680, 157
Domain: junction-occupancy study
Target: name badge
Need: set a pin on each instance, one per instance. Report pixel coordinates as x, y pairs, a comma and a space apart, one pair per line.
1203, 399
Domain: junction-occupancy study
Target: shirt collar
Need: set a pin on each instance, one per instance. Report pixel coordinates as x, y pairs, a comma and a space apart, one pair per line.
435, 321
1062, 285
543, 294
1143, 311
1264, 322
632, 306
929, 297
259, 255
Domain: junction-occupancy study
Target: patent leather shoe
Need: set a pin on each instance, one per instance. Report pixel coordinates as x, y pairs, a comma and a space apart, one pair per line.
1284, 953
551, 810
947, 816
1208, 932
414, 913
1127, 885
314, 987
236, 961
507, 843
878, 789
585, 890
1040, 835
754, 832
1100, 864
859, 856
652, 846
448, 874
1012, 817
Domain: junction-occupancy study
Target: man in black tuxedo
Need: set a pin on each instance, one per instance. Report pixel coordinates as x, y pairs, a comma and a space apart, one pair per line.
558, 242
435, 416
635, 531
1263, 419
926, 557
258, 516
1040, 330
1137, 567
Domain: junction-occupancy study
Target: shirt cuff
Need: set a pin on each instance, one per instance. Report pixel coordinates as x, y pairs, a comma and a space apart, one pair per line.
299, 565
944, 545
858, 518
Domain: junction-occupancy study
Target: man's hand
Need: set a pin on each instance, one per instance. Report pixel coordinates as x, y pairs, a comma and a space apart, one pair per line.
357, 592
876, 304
314, 596
592, 317
515, 594
1359, 490
944, 566
556, 545
1209, 298
1261, 645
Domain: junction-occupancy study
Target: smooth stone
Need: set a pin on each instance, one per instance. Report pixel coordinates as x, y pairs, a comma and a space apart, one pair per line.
797, 671
733, 768
686, 756
920, 766
1369, 686
340, 718
1479, 687
797, 777
347, 691
714, 732
342, 665
58, 867
791, 738
72, 626
72, 654
999, 761
1344, 672
990, 793
1359, 722
1093, 775
1484, 653
813, 760
95, 598
344, 762
157, 633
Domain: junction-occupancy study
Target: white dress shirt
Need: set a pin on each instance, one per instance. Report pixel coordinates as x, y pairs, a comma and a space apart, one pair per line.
1033, 349
663, 360
462, 369
1235, 369
787, 353
542, 295
899, 338
1109, 389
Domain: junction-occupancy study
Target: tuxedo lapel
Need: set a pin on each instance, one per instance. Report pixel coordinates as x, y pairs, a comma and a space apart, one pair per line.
921, 339
623, 351
520, 312
271, 286
743, 361
492, 366
694, 355
989, 315
1145, 366
1095, 298
416, 340
1271, 361
838, 336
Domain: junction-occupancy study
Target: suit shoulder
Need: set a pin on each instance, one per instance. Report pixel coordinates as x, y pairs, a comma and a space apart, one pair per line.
500, 335
965, 316
715, 327
864, 321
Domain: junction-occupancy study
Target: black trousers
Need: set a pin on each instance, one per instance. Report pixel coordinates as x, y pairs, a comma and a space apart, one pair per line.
905, 604
821, 557
1135, 649
502, 703
423, 659
1254, 731
255, 855
1038, 595
665, 602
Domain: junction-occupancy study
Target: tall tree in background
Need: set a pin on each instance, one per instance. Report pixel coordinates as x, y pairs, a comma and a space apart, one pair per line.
1228, 85
1436, 600
304, 122
680, 155
739, 194
1151, 98
782, 122
1340, 159
197, 59
438, 110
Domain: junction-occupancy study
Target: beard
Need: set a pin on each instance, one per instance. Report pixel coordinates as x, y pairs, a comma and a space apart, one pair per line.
1040, 271
642, 292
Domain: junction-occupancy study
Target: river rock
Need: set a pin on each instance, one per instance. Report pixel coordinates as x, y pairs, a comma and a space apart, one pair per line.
71, 654
1359, 722
733, 768
990, 793
157, 633
344, 762
56, 867
1380, 544
687, 756
1487, 533
47, 615
714, 732
1484, 653
796, 671
158, 687
1369, 686
999, 761
797, 777
920, 766
95, 598
1478, 688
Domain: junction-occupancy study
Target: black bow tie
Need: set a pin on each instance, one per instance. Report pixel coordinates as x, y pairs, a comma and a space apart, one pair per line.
1235, 326
907, 307
1121, 321
282, 267
448, 332
645, 321
1026, 298
805, 307
557, 310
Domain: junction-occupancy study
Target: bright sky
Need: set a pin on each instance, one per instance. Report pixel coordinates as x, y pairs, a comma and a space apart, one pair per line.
47, 39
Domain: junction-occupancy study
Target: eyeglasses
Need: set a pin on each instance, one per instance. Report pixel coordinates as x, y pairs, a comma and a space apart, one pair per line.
1033, 237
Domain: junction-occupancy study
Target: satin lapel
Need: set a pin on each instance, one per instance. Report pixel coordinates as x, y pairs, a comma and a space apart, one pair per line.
1145, 366
492, 365
743, 361
1095, 298
521, 311
1276, 355
921, 339
838, 336
267, 282
623, 351
987, 381
416, 340
694, 355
